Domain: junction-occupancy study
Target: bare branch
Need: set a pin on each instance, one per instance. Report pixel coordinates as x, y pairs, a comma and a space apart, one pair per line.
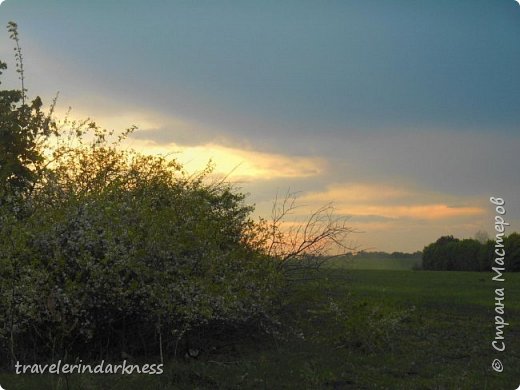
307, 245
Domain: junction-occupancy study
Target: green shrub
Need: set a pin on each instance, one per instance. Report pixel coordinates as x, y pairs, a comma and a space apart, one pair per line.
118, 247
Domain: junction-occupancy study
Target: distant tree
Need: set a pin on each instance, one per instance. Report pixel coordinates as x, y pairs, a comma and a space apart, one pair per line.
512, 248
485, 255
439, 255
404, 255
466, 255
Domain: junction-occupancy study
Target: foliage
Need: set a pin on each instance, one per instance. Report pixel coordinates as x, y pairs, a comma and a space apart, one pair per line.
451, 254
24, 127
119, 247
385, 255
512, 249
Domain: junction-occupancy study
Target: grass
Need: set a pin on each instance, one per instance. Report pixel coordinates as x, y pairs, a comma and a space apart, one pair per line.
360, 329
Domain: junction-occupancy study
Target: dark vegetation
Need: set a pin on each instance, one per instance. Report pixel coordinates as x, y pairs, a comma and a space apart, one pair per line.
384, 255
452, 254
365, 260
350, 330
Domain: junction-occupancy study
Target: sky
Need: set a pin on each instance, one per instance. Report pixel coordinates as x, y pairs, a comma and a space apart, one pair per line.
403, 114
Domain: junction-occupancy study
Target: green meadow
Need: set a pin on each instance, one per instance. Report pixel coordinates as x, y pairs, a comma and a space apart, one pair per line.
352, 329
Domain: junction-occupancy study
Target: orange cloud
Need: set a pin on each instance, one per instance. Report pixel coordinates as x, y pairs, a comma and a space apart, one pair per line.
358, 192
238, 163
418, 211
386, 201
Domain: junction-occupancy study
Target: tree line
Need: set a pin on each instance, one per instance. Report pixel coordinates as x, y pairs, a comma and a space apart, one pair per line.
452, 254
386, 255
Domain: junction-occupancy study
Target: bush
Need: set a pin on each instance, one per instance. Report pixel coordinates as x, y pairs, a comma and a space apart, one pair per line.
119, 247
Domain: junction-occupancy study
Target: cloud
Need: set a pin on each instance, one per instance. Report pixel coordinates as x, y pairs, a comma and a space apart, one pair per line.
358, 192
386, 202
414, 211
239, 164
229, 158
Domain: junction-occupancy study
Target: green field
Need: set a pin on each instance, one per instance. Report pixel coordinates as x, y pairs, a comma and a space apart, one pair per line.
358, 330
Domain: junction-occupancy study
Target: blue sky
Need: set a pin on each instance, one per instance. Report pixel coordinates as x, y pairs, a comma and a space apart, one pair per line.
402, 113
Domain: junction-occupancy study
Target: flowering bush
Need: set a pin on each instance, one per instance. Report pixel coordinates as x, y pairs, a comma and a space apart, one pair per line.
106, 250
118, 248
